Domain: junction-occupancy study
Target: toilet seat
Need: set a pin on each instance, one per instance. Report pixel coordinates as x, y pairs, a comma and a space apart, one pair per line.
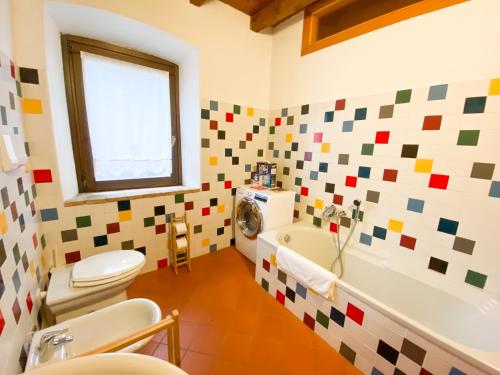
106, 268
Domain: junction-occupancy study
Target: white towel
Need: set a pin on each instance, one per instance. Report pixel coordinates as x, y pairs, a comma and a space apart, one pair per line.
306, 272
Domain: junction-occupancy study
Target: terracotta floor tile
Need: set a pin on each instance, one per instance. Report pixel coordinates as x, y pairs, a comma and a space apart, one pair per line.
149, 348
230, 325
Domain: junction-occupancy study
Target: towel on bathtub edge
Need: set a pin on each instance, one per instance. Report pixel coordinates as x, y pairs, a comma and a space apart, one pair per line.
306, 272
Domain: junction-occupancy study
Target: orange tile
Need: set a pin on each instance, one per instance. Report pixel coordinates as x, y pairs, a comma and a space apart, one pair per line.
149, 348
197, 363
236, 346
208, 340
226, 367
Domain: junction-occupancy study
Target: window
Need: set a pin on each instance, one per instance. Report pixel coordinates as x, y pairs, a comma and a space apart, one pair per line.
330, 22
123, 109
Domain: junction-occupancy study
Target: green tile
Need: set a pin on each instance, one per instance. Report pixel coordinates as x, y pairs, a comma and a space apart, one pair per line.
367, 149
476, 279
265, 284
179, 198
83, 221
149, 221
475, 104
317, 221
221, 177
403, 96
468, 138
260, 152
272, 130
322, 319
288, 154
236, 109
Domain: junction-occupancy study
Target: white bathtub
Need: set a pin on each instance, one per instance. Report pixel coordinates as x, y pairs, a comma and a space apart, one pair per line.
429, 328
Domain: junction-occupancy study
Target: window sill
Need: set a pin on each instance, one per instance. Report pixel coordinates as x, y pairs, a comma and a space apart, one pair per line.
113, 196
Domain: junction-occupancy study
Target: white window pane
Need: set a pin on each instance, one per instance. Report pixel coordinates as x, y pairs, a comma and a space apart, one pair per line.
128, 113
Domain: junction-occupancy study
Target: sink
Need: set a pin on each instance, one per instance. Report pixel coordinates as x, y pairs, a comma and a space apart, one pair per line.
110, 364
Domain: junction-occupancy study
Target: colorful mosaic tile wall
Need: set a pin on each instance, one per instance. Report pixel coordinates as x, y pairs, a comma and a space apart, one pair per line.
233, 139
424, 161
21, 241
368, 339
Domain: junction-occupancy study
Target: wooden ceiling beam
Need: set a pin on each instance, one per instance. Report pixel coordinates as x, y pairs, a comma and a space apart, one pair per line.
276, 12
198, 3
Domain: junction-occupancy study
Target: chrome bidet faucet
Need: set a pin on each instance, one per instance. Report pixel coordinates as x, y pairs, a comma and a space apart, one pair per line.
51, 340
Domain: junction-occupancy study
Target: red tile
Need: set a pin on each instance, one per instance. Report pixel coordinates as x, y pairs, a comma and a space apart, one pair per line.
296, 214
34, 238
333, 227
249, 136
338, 199
188, 206
29, 302
205, 186
266, 265
72, 257
351, 181
213, 125
408, 242
277, 121
205, 211
355, 313
162, 263
16, 310
390, 175
382, 137
279, 184
318, 137
340, 105
229, 117
280, 297
227, 222
439, 181
432, 123
42, 175
309, 321
13, 211
2, 323
423, 371
304, 191
112, 228
161, 228
12, 70
228, 184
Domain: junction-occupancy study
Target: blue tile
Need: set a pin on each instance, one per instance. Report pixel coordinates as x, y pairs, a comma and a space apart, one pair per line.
379, 232
437, 92
213, 247
301, 290
313, 175
123, 205
100, 240
375, 371
284, 112
276, 153
415, 205
205, 114
303, 128
297, 198
248, 167
364, 172
2, 286
337, 316
365, 239
347, 126
323, 167
455, 371
360, 114
49, 214
495, 189
448, 226
214, 105
16, 280
329, 116
262, 121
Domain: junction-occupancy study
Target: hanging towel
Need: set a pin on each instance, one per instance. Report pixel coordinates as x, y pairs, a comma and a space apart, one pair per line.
306, 272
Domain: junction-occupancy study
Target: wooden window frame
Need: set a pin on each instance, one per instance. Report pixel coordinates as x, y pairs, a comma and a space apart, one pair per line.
82, 149
310, 43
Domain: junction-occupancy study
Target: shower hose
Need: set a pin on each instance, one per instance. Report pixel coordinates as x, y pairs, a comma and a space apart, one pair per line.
338, 258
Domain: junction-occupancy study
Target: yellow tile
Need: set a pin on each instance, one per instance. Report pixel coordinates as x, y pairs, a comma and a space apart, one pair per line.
43, 261
249, 111
220, 208
423, 165
212, 160
32, 269
325, 147
273, 260
32, 106
288, 138
124, 216
3, 223
395, 225
205, 242
494, 87
318, 203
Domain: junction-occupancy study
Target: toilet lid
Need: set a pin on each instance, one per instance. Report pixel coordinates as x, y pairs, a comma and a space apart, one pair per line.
106, 265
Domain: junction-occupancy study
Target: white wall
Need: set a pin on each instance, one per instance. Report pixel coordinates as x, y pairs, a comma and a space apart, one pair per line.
5, 27
453, 44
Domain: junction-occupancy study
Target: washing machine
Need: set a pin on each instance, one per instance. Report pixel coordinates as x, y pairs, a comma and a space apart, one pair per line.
257, 211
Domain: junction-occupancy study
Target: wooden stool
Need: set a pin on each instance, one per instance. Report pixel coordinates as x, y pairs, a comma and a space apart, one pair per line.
181, 256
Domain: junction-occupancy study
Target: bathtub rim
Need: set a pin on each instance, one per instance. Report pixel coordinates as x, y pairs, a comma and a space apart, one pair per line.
485, 361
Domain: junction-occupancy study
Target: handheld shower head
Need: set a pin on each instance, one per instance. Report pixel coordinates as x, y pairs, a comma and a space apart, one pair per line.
357, 203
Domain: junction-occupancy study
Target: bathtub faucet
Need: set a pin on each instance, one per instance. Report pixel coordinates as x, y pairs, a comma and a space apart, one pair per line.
331, 212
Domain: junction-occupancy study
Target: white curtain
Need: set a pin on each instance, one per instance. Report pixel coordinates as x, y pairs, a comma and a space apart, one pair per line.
128, 113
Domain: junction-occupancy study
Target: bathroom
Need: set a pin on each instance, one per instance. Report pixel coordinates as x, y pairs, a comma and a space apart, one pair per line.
379, 121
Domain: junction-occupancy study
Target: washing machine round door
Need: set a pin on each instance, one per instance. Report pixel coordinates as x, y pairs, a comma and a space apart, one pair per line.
249, 217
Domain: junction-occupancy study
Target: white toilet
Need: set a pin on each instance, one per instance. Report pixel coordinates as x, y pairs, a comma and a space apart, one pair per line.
92, 283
